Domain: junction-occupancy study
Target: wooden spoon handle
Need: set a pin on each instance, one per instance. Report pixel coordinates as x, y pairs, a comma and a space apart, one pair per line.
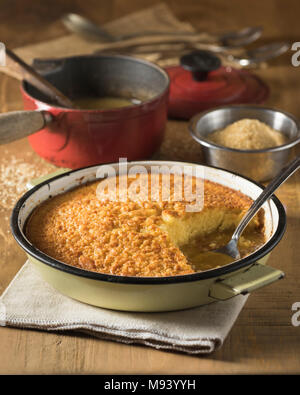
22, 70
18, 124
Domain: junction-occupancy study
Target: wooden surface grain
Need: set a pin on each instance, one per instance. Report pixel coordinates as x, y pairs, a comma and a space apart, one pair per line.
263, 339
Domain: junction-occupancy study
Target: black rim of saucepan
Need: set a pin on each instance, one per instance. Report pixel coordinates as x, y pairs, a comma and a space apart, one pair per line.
120, 57
244, 262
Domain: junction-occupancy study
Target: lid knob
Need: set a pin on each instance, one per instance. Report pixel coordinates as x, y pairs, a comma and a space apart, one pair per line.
200, 63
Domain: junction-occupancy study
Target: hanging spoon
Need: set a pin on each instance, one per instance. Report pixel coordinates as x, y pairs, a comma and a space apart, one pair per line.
22, 70
84, 27
231, 248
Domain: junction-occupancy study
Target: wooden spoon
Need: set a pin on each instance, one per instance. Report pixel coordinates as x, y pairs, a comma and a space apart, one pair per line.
22, 70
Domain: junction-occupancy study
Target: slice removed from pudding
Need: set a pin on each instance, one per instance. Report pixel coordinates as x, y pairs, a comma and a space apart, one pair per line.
183, 229
195, 233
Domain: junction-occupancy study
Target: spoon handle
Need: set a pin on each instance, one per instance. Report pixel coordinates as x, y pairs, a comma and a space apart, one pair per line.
24, 71
265, 195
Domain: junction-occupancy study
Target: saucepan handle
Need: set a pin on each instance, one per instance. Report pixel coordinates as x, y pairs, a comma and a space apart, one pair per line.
256, 276
18, 124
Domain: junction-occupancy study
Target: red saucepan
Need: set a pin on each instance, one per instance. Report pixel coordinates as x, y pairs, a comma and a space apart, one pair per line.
75, 138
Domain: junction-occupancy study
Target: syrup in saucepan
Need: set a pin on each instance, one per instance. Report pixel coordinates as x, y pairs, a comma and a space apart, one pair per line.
104, 102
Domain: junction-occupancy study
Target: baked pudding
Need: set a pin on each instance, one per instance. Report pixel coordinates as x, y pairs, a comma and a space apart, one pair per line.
96, 231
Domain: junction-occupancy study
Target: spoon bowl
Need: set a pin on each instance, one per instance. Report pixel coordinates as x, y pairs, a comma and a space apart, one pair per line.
258, 55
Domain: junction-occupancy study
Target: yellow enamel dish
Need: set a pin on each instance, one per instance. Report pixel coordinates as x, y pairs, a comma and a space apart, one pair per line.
150, 294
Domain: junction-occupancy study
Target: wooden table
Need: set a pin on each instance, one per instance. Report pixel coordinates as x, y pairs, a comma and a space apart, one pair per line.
263, 339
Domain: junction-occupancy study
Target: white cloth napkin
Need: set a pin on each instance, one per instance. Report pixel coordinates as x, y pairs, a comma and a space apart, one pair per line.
29, 302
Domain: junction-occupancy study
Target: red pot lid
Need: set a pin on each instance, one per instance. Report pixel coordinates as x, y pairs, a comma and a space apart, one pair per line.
200, 83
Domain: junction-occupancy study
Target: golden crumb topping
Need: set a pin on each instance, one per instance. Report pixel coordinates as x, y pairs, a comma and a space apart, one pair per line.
88, 228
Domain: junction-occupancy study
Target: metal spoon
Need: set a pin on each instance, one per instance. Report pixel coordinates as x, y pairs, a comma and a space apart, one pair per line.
21, 70
84, 27
257, 55
231, 249
247, 58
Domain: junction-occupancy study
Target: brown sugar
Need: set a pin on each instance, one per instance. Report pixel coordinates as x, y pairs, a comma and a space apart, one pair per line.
247, 134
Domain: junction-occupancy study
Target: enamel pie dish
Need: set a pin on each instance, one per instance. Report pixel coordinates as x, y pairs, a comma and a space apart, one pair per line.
149, 294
